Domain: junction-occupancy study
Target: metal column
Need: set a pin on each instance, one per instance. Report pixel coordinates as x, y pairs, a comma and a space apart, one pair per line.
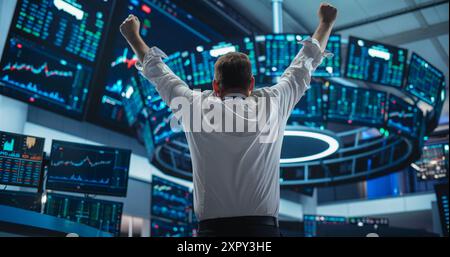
277, 9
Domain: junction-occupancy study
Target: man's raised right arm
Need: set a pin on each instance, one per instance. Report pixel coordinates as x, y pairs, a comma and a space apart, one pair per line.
297, 77
150, 62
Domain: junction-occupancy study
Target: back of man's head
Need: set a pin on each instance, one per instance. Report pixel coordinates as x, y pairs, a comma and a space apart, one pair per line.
233, 71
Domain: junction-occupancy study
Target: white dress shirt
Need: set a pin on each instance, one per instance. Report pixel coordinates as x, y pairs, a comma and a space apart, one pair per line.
237, 173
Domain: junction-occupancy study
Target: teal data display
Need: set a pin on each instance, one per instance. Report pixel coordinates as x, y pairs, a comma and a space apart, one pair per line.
119, 101
310, 106
277, 51
356, 106
375, 62
170, 200
312, 223
425, 81
404, 118
21, 159
157, 116
168, 228
331, 66
88, 169
51, 52
99, 214
200, 62
144, 135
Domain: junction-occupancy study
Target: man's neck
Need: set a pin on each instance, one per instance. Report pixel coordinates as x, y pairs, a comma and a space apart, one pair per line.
231, 93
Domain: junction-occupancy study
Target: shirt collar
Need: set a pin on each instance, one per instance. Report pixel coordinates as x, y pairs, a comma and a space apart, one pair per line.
235, 95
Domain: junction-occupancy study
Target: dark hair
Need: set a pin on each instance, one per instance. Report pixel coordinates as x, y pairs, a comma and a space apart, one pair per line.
233, 71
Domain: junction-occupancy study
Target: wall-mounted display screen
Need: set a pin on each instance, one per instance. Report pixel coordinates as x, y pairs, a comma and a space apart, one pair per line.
404, 118
100, 214
21, 159
168, 228
170, 200
88, 169
157, 114
310, 106
375, 62
357, 106
331, 67
51, 50
202, 60
276, 52
424, 80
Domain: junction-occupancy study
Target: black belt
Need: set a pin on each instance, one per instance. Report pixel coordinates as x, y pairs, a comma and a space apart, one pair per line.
238, 221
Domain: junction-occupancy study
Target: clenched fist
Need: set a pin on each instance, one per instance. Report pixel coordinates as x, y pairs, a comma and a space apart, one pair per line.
130, 27
327, 13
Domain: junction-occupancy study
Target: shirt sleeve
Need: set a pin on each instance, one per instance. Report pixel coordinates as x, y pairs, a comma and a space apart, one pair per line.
296, 80
168, 85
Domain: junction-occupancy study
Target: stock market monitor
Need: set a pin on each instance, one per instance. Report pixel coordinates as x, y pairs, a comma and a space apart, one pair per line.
202, 60
404, 118
310, 106
425, 81
119, 103
100, 214
167, 228
356, 106
51, 50
311, 223
331, 67
22, 200
88, 169
433, 164
276, 52
170, 200
375, 62
144, 135
157, 115
20, 159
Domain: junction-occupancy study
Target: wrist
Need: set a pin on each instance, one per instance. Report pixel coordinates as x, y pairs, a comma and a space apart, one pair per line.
327, 24
134, 38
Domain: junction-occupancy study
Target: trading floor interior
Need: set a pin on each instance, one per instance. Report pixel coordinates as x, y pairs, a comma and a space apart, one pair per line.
86, 147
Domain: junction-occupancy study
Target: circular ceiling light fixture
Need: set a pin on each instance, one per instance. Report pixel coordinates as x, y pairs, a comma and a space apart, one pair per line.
304, 146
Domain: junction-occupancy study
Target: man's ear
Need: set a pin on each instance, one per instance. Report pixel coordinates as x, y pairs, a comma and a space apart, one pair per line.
252, 84
216, 87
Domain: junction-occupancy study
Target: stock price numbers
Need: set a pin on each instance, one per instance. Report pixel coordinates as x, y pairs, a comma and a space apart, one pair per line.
20, 159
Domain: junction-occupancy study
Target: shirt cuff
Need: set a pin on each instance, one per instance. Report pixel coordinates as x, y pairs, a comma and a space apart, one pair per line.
152, 53
312, 50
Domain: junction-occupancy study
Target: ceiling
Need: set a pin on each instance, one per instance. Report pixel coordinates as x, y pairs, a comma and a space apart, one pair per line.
424, 31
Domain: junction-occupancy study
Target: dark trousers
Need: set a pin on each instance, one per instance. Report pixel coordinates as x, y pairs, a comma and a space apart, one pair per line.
246, 226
